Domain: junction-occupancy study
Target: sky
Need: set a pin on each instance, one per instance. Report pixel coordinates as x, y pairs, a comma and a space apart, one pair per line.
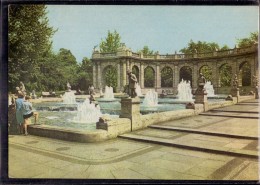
162, 28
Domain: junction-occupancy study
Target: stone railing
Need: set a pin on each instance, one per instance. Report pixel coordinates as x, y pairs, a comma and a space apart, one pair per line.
253, 48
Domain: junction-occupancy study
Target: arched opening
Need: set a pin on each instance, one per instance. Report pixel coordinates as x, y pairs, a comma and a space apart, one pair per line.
166, 77
225, 75
186, 74
245, 74
135, 70
207, 72
110, 76
149, 77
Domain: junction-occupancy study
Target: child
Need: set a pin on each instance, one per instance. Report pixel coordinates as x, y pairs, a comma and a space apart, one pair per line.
19, 111
27, 113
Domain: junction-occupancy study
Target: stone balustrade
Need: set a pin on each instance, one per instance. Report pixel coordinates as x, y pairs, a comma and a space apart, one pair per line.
128, 52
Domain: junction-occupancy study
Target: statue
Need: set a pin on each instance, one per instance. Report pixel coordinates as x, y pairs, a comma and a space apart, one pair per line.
132, 84
68, 87
201, 82
91, 98
22, 87
91, 90
235, 82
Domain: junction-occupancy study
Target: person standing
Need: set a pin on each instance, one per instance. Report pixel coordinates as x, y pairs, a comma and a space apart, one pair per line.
27, 113
19, 111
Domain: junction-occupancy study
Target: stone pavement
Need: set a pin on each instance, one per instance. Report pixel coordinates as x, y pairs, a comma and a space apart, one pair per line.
204, 147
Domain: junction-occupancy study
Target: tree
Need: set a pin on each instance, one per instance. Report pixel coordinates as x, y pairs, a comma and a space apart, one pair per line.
245, 42
146, 51
29, 43
111, 43
111, 77
202, 47
85, 74
68, 67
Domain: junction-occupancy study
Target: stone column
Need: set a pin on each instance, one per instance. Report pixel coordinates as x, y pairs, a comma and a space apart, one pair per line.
142, 76
123, 73
118, 77
252, 70
158, 78
130, 108
176, 79
95, 76
194, 76
99, 76
214, 77
127, 68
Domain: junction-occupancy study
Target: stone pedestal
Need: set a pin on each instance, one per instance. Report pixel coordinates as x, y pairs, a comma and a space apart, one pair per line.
130, 108
235, 92
201, 98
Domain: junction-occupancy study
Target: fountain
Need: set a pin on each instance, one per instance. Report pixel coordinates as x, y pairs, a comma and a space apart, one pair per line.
69, 98
184, 91
209, 89
87, 112
109, 95
138, 90
150, 99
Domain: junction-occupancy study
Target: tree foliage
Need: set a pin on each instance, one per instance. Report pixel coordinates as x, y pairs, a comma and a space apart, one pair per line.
111, 77
167, 77
146, 51
245, 42
225, 75
149, 77
111, 43
202, 47
207, 72
29, 43
245, 74
186, 74
85, 74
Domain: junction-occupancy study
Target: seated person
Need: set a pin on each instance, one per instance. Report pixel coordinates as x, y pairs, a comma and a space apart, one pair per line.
27, 113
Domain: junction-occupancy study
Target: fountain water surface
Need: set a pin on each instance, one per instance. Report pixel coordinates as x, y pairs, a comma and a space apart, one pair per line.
69, 98
209, 88
150, 99
138, 90
87, 112
184, 91
109, 93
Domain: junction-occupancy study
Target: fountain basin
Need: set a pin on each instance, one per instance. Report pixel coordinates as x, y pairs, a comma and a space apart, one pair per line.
68, 134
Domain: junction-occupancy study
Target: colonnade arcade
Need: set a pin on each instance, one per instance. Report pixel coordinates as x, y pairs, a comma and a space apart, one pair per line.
160, 73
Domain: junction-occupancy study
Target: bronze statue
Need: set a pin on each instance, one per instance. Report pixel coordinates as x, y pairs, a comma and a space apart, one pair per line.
201, 81
132, 84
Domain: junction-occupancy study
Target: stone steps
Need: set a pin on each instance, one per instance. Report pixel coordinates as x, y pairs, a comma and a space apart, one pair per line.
245, 115
192, 141
197, 131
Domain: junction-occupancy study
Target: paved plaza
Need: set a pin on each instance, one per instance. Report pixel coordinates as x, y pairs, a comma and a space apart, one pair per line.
221, 144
